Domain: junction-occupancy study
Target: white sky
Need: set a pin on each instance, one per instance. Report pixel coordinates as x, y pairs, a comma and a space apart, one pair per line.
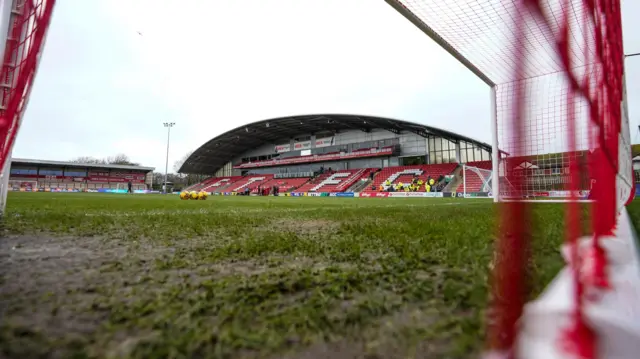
213, 65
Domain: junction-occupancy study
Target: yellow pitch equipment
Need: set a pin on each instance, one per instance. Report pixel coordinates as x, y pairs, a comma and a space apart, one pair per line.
184, 195
193, 195
202, 195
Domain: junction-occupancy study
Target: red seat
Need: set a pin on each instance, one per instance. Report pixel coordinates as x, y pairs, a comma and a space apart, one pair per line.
313, 182
213, 184
251, 182
353, 179
284, 184
395, 174
336, 181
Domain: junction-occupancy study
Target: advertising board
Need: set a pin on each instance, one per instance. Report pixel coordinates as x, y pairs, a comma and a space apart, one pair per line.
560, 194
283, 148
304, 145
342, 194
324, 142
415, 194
374, 195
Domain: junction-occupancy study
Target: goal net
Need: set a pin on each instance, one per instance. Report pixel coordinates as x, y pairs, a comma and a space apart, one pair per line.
559, 125
23, 28
475, 179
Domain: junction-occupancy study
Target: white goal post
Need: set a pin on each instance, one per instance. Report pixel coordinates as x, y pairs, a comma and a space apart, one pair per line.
476, 179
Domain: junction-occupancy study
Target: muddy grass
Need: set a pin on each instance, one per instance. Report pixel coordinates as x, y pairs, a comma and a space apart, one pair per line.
48, 289
136, 277
57, 292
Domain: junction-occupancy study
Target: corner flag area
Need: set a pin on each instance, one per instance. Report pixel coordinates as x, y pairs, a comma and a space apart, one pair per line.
253, 277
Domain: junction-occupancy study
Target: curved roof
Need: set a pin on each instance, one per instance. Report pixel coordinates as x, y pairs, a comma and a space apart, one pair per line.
214, 154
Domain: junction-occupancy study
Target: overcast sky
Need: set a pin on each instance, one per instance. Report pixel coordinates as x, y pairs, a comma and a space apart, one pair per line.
114, 70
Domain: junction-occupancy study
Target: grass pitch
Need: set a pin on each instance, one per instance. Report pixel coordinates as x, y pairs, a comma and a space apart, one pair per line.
146, 276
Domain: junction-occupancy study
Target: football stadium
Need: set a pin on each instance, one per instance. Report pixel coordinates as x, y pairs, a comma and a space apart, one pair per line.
342, 156
343, 236
265, 267
264, 276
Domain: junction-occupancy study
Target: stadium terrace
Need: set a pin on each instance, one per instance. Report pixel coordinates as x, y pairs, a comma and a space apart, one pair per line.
340, 154
29, 175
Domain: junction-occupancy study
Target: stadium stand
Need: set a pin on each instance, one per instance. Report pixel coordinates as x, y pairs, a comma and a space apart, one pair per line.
41, 175
335, 181
315, 182
485, 165
404, 174
335, 152
236, 183
283, 184
292, 184
357, 176
330, 181
200, 185
216, 184
251, 182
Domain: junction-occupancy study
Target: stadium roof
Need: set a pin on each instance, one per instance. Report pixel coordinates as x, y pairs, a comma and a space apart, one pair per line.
221, 149
24, 161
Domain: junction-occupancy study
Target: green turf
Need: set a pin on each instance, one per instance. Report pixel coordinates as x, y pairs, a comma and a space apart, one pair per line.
148, 276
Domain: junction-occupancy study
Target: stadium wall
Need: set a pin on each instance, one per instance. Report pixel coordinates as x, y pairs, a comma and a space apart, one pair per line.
35, 175
433, 149
263, 150
377, 162
409, 145
355, 136
412, 143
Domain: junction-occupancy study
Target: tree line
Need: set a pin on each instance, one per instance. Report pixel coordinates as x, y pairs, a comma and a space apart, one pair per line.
119, 159
184, 179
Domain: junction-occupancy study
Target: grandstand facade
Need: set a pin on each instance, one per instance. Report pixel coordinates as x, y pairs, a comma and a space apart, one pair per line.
332, 153
29, 175
304, 143
363, 154
329, 153
320, 154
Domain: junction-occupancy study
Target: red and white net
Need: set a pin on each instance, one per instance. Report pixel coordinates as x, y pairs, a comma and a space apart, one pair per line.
557, 70
28, 25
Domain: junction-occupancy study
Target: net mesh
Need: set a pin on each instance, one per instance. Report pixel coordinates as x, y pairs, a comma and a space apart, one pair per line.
27, 29
482, 31
541, 158
556, 69
476, 179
